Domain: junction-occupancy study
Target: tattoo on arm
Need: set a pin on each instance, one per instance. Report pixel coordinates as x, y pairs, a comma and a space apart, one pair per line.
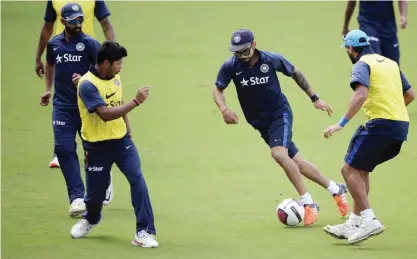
300, 79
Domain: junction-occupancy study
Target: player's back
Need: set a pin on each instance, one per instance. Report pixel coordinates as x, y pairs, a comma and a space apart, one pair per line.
88, 9
378, 14
385, 97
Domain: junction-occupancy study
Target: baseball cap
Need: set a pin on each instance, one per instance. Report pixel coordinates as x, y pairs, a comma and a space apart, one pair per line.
241, 39
355, 38
71, 11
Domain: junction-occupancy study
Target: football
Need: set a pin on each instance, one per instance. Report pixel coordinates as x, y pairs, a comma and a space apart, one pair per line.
290, 212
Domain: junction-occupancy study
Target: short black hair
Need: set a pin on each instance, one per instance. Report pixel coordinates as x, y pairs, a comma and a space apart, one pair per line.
111, 51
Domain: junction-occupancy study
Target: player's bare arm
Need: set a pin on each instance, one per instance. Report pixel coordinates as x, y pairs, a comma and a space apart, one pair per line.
356, 103
403, 6
46, 33
108, 29
348, 15
113, 113
303, 83
409, 96
127, 122
49, 78
228, 115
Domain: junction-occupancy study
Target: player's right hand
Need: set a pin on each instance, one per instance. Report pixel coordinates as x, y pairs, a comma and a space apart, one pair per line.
45, 98
142, 94
403, 22
345, 31
230, 117
39, 69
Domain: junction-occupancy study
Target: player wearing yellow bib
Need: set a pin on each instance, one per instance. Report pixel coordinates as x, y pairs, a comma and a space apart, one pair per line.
106, 141
383, 91
91, 9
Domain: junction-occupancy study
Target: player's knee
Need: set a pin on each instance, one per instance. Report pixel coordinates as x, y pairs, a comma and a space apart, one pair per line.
62, 150
280, 154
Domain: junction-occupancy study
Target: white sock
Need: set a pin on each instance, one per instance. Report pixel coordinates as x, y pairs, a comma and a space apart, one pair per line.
306, 199
333, 188
354, 220
368, 213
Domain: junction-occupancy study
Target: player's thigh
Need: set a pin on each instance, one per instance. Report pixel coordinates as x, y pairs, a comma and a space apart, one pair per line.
390, 48
374, 37
65, 129
366, 151
280, 131
392, 150
97, 164
127, 159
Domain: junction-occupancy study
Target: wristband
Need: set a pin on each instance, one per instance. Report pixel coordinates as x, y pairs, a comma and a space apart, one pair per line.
343, 121
136, 101
314, 98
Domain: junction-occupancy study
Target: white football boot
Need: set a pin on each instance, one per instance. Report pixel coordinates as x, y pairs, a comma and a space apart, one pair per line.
109, 192
77, 208
81, 228
368, 228
341, 231
144, 239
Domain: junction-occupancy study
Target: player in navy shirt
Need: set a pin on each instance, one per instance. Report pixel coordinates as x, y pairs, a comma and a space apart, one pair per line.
92, 10
69, 55
377, 20
266, 108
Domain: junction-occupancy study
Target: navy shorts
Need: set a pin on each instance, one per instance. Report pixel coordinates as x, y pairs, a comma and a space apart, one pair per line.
385, 45
367, 151
279, 133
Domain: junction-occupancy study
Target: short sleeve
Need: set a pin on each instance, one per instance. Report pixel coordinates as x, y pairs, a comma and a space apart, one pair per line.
90, 96
50, 14
94, 46
50, 55
282, 65
100, 10
224, 76
405, 83
360, 75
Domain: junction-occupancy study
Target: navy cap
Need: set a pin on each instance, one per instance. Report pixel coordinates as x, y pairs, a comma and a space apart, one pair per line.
71, 11
241, 39
355, 38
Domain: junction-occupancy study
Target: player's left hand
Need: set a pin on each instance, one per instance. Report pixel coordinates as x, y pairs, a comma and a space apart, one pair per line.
75, 78
45, 98
319, 104
403, 22
332, 129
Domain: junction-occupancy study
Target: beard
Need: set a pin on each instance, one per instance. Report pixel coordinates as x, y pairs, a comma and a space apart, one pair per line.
73, 31
352, 59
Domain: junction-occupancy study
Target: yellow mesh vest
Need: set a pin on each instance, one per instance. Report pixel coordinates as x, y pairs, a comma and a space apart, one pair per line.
385, 97
93, 127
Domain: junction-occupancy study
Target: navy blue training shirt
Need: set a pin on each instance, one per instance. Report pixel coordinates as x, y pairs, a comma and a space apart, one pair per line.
394, 129
258, 88
379, 15
68, 58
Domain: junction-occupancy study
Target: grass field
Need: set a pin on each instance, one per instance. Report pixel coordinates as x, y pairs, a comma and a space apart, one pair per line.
214, 187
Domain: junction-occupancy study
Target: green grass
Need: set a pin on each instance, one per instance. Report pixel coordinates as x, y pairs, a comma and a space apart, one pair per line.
214, 187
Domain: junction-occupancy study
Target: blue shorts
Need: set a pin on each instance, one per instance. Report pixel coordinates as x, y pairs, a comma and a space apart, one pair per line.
279, 133
385, 45
366, 151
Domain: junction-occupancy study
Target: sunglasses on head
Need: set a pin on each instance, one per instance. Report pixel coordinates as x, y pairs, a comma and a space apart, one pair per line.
78, 20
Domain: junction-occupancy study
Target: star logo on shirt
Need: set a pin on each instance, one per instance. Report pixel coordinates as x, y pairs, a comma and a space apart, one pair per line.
58, 59
244, 82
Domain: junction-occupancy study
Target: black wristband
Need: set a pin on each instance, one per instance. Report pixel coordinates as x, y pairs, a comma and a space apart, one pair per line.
136, 101
314, 98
